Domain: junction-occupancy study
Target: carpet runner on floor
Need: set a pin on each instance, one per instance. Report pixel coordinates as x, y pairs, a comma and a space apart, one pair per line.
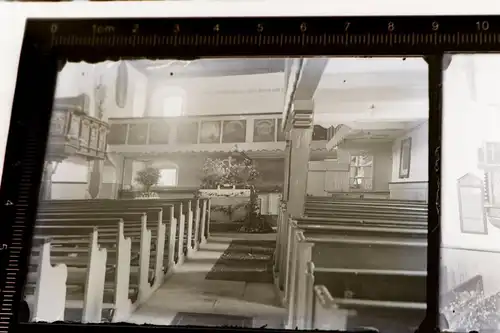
245, 260
207, 319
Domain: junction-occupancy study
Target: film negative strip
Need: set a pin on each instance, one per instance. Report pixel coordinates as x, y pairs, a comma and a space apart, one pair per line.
352, 225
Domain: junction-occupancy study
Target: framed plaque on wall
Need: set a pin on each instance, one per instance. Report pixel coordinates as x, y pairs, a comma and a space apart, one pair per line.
471, 205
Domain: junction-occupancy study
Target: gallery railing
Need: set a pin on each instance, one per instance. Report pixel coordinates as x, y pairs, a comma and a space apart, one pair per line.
208, 132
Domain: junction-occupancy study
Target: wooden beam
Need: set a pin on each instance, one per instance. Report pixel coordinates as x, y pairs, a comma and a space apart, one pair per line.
293, 75
303, 80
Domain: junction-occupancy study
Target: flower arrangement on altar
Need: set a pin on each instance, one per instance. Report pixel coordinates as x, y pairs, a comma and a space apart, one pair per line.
228, 173
227, 178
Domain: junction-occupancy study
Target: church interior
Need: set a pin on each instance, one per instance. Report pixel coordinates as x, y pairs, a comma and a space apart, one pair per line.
262, 192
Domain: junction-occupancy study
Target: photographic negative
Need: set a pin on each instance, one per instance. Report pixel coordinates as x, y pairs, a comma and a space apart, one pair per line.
240, 222
154, 163
470, 189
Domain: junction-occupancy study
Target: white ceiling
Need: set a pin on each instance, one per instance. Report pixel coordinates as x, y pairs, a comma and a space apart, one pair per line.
375, 65
209, 67
378, 131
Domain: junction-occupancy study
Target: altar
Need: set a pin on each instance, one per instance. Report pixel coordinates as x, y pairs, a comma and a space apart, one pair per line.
227, 203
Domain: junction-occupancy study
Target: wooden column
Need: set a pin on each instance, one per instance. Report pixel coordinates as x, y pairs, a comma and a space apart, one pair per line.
301, 130
283, 220
286, 181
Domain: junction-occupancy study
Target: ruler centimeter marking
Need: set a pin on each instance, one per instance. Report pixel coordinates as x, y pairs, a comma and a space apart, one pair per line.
408, 39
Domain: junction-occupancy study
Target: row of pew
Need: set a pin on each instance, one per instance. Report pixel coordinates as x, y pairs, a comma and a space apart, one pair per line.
98, 260
351, 263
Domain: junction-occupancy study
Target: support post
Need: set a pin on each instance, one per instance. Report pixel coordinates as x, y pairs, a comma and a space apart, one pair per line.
283, 219
301, 130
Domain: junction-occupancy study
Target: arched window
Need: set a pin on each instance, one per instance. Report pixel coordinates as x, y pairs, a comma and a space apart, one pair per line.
168, 177
172, 106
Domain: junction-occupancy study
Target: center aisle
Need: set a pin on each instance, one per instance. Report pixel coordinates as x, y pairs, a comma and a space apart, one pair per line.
227, 282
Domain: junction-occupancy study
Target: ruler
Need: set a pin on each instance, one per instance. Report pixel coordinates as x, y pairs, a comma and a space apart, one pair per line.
271, 36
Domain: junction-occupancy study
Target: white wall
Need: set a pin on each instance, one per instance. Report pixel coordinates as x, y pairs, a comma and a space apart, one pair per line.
228, 95
327, 176
415, 187
466, 122
419, 154
109, 182
464, 127
79, 78
72, 169
316, 178
70, 181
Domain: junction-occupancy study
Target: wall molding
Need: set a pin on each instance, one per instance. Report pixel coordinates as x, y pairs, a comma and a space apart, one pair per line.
465, 248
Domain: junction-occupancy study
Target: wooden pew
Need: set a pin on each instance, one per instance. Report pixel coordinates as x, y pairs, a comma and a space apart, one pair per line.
337, 224
359, 261
156, 222
360, 214
49, 288
45, 283
326, 210
95, 211
343, 230
167, 214
76, 256
364, 201
368, 205
143, 272
199, 230
331, 314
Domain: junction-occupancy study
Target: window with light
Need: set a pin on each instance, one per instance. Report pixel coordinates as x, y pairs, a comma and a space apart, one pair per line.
173, 106
168, 177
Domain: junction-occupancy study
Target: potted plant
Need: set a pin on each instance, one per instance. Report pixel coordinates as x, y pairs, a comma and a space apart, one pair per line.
148, 177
